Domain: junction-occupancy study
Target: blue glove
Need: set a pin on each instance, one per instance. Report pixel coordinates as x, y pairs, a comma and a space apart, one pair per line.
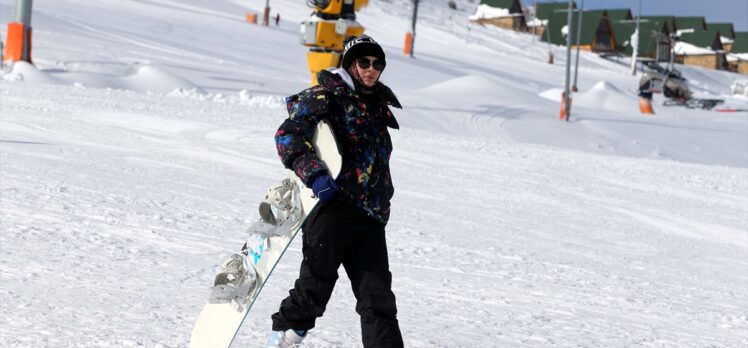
324, 187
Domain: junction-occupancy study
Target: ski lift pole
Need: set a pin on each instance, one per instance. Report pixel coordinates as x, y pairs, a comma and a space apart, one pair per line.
534, 19
567, 104
413, 29
635, 41
579, 35
266, 14
672, 38
18, 42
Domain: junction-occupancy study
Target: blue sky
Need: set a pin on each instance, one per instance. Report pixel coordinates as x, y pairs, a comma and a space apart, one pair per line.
734, 11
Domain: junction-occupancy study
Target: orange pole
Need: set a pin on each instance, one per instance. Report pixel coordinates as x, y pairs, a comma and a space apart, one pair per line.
14, 43
562, 113
408, 40
645, 106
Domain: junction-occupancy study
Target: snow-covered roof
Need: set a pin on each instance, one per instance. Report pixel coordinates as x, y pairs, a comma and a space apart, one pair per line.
688, 49
734, 57
488, 12
537, 22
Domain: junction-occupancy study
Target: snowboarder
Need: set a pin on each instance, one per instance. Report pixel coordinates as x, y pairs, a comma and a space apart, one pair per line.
348, 226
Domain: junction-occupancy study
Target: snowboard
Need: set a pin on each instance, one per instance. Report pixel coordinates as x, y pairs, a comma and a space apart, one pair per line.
242, 277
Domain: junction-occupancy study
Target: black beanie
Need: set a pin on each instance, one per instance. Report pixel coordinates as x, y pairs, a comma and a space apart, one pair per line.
361, 46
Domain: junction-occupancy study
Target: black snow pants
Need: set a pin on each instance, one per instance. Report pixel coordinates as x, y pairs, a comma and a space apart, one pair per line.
337, 234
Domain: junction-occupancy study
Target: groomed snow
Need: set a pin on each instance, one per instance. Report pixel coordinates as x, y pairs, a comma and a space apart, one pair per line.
134, 152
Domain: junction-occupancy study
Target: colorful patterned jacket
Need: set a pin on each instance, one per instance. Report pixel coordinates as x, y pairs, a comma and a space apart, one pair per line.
362, 137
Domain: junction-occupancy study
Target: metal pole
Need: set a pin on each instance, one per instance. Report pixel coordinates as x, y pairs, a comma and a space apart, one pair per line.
534, 20
567, 107
23, 11
579, 35
23, 16
266, 15
413, 29
672, 52
635, 54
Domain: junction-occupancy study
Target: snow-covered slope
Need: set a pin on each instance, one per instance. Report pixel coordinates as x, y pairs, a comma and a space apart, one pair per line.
132, 157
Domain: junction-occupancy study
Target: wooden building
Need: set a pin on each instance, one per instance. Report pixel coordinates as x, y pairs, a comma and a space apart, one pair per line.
690, 24
738, 56
726, 33
618, 14
597, 32
501, 13
710, 55
668, 21
543, 13
654, 42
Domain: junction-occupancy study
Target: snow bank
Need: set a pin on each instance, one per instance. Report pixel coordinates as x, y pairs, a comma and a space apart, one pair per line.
146, 78
605, 96
602, 96
476, 89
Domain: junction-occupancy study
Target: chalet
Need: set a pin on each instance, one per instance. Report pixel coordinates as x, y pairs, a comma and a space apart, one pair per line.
701, 49
543, 13
654, 42
501, 13
621, 14
596, 36
690, 24
544, 10
726, 32
738, 56
668, 21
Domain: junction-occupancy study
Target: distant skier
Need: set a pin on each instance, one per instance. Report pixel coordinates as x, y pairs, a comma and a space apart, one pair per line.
348, 226
277, 19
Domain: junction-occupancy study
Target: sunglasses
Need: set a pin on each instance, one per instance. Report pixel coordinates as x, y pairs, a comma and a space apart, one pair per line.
365, 63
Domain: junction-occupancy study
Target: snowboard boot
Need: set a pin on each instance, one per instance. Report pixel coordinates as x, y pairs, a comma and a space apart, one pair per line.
287, 339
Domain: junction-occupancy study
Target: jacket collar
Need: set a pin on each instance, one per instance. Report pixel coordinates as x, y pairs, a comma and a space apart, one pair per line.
341, 82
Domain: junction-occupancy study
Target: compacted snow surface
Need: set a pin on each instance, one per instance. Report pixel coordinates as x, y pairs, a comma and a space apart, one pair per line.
133, 154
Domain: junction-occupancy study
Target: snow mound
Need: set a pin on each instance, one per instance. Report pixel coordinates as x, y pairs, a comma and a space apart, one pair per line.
553, 94
152, 79
603, 96
145, 78
476, 89
608, 97
244, 97
23, 71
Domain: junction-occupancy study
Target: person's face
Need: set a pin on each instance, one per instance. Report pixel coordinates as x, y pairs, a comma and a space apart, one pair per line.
369, 68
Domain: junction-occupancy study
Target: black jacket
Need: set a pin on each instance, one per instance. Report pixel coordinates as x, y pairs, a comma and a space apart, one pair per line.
362, 135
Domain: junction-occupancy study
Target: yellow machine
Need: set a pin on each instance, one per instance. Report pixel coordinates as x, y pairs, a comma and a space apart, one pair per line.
331, 22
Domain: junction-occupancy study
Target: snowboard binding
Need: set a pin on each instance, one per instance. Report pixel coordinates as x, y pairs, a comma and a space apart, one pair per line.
233, 283
281, 211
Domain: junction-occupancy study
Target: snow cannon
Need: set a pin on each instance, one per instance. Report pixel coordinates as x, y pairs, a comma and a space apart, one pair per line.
331, 22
